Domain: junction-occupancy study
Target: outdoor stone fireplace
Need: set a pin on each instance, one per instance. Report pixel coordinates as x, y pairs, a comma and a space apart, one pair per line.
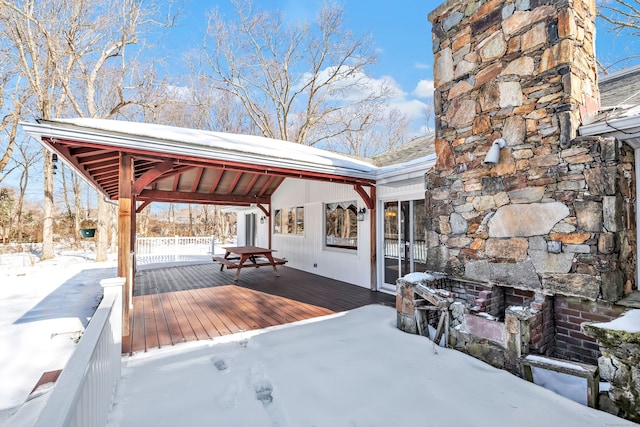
544, 240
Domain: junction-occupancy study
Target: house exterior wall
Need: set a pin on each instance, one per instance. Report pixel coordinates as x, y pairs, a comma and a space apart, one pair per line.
308, 251
262, 227
400, 191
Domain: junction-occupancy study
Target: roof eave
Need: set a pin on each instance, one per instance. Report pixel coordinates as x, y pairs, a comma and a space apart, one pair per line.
123, 141
408, 171
626, 129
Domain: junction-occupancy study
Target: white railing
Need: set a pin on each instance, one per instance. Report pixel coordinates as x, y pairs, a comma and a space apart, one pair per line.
173, 245
391, 250
84, 391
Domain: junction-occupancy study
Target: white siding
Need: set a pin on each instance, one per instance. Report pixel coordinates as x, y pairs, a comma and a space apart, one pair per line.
262, 227
307, 252
400, 191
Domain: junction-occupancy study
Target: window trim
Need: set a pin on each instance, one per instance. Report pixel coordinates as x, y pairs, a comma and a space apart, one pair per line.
278, 226
336, 246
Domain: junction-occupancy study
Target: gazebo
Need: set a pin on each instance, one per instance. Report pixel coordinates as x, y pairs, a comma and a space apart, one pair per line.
136, 164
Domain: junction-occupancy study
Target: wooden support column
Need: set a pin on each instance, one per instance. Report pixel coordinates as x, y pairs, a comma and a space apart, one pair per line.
370, 202
132, 259
373, 229
125, 206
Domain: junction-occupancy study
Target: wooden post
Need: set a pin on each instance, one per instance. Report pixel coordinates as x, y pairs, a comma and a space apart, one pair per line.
372, 221
134, 264
125, 181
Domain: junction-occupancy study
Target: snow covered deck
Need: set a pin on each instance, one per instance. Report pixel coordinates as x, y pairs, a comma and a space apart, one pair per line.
349, 369
199, 302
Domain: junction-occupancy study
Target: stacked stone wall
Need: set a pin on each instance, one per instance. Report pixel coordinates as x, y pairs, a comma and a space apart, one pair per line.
570, 341
619, 365
555, 215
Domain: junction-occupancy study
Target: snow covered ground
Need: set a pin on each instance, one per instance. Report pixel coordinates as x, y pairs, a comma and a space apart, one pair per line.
44, 308
350, 369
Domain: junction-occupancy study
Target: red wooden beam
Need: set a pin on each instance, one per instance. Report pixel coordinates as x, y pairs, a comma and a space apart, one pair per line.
143, 205
111, 156
151, 175
264, 209
266, 185
234, 182
369, 199
231, 165
216, 181
251, 184
196, 181
183, 197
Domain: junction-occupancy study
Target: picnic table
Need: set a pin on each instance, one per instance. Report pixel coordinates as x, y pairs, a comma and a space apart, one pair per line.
239, 257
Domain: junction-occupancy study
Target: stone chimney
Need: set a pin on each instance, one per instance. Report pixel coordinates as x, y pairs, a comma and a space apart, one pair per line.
554, 215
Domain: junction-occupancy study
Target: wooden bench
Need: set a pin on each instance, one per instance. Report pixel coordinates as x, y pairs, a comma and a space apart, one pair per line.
232, 262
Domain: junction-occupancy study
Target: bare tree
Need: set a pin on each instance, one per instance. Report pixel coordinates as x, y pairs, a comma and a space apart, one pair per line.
621, 14
293, 81
620, 17
7, 200
28, 159
379, 129
71, 53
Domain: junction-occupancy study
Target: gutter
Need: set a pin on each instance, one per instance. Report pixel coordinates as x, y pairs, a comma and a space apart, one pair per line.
142, 143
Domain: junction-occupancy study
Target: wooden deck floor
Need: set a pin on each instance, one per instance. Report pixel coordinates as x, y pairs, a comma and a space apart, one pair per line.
199, 302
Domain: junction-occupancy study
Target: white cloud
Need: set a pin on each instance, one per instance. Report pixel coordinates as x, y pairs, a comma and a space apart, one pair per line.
422, 66
356, 85
424, 89
412, 108
350, 84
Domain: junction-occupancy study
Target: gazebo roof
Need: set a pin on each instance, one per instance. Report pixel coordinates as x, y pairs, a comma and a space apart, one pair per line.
188, 165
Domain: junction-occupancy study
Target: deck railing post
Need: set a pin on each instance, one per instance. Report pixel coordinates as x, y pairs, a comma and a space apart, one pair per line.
84, 391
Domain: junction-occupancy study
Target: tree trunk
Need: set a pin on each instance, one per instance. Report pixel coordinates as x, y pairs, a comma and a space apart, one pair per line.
191, 233
103, 230
47, 223
77, 201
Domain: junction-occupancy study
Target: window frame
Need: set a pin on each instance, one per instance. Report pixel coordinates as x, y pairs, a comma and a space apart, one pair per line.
352, 207
294, 224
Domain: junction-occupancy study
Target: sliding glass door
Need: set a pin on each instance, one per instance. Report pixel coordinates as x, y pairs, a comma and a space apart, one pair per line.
404, 245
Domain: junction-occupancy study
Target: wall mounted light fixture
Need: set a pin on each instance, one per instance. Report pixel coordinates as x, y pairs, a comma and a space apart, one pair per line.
493, 156
361, 213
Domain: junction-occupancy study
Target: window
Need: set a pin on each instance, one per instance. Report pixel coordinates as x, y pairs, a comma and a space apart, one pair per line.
277, 222
341, 225
289, 221
299, 220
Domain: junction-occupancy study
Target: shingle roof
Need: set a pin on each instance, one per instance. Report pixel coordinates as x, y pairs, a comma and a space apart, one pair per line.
414, 149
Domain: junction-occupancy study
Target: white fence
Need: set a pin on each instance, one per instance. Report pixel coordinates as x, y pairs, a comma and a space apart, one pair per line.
173, 245
392, 250
84, 391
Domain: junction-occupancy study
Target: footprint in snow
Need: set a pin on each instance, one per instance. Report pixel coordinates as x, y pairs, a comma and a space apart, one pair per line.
220, 364
264, 391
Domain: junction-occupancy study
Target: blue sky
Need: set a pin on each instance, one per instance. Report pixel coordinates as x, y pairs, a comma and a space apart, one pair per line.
401, 35
400, 31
